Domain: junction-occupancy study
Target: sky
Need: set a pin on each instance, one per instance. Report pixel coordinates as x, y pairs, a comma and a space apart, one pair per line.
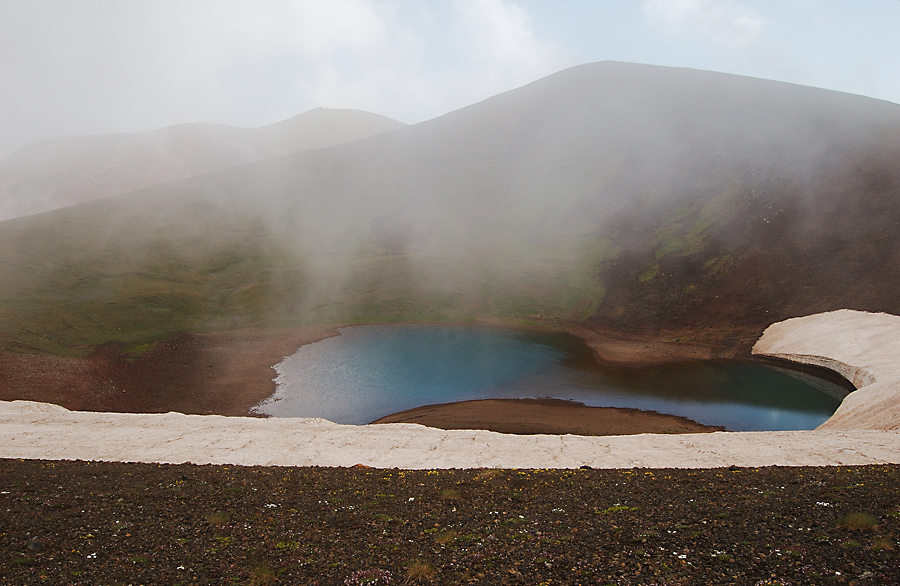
98, 66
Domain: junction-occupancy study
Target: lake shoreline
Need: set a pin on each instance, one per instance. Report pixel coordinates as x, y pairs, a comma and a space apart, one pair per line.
231, 372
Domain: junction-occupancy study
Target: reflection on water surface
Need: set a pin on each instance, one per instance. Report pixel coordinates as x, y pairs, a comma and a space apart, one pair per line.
371, 371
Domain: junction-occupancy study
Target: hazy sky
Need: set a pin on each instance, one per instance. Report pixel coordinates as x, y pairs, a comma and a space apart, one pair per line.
95, 66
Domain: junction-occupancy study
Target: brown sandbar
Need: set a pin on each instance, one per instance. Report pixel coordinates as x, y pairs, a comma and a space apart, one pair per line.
545, 416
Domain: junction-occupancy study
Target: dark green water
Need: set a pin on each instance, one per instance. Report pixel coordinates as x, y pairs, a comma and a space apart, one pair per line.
371, 371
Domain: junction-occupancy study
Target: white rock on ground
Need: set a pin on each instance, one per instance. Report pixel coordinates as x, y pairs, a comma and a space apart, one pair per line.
40, 430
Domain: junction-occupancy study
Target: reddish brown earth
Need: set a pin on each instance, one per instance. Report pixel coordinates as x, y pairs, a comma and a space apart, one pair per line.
635, 349
545, 416
224, 373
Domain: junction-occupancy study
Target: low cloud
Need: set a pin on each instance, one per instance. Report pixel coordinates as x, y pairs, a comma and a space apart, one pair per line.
724, 21
502, 38
100, 66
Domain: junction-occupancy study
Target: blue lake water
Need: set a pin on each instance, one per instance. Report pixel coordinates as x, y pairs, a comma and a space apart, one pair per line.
371, 371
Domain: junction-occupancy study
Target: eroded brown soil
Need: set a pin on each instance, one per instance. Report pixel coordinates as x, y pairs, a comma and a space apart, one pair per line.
545, 416
224, 373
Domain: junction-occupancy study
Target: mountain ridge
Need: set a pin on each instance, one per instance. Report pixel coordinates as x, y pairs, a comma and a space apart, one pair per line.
632, 200
58, 172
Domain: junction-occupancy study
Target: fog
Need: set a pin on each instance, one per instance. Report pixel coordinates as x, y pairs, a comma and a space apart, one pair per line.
619, 197
104, 66
59, 172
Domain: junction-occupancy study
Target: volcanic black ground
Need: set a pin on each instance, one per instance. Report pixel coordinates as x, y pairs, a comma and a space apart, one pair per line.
118, 523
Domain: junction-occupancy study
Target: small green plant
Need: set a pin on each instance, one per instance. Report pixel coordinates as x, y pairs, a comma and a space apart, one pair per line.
419, 570
137, 351
262, 575
882, 544
649, 273
858, 522
445, 537
450, 494
489, 474
220, 518
616, 509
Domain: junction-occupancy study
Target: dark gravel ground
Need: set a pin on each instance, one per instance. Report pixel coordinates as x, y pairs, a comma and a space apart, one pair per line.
115, 523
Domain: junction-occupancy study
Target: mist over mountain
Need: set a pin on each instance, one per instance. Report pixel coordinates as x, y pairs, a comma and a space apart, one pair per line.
60, 172
629, 199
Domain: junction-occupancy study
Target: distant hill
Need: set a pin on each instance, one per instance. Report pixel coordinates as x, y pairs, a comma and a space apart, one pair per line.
628, 199
59, 172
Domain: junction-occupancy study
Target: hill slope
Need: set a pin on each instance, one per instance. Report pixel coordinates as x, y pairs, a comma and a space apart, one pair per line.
60, 172
625, 198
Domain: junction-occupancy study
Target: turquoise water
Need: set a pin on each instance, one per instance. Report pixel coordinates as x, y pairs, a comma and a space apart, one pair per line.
371, 371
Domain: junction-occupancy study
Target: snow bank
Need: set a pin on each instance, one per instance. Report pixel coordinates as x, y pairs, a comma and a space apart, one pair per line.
863, 347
